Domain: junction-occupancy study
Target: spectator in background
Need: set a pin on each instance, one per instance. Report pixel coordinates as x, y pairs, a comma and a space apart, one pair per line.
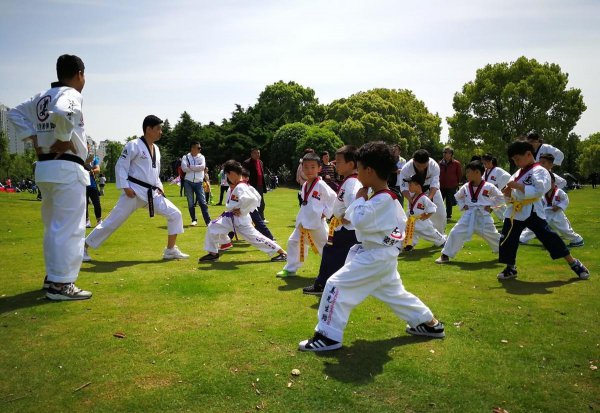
206, 187
193, 165
101, 183
450, 177
257, 178
224, 184
394, 180
328, 171
92, 165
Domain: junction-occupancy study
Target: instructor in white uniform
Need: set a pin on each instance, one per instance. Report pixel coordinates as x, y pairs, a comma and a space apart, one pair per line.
54, 122
137, 172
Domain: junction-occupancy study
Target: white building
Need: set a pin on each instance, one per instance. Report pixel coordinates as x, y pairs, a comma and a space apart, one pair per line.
14, 145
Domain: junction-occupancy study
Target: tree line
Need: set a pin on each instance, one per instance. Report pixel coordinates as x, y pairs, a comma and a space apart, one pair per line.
504, 100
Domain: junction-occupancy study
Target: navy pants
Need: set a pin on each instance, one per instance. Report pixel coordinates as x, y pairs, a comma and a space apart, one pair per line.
260, 225
553, 243
334, 256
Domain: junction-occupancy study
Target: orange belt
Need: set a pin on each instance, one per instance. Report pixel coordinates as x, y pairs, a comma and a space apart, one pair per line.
306, 233
410, 231
333, 224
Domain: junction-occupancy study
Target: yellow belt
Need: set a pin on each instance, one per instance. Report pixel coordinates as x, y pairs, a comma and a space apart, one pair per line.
517, 207
333, 224
410, 231
306, 233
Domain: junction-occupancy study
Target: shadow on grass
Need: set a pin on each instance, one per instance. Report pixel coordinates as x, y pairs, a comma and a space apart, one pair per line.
520, 287
228, 266
475, 266
23, 300
294, 283
111, 266
361, 362
430, 252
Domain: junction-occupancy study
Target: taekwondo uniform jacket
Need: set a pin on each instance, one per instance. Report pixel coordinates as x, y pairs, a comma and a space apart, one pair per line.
545, 148
319, 198
345, 196
486, 194
136, 161
244, 198
497, 176
537, 182
432, 178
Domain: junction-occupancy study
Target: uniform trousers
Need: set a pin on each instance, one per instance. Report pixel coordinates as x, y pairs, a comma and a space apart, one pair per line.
439, 217
124, 208
476, 222
508, 249
63, 214
334, 255
367, 272
218, 230
558, 222
499, 212
319, 237
424, 229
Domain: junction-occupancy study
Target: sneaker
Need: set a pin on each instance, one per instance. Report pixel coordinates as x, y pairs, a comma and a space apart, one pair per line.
174, 254
88, 224
86, 257
99, 222
280, 258
576, 244
225, 247
580, 269
319, 343
266, 221
194, 223
285, 273
312, 290
443, 259
437, 331
408, 248
46, 284
208, 257
66, 292
507, 273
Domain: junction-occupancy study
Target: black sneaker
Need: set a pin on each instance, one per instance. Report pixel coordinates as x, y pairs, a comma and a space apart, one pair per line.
507, 273
280, 258
319, 343
209, 257
580, 269
312, 290
46, 284
437, 331
408, 248
66, 292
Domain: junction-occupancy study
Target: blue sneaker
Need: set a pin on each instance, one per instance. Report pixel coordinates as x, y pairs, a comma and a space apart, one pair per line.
582, 272
576, 244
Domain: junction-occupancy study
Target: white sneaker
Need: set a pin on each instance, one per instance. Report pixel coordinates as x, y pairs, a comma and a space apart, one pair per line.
194, 223
99, 222
66, 292
174, 254
86, 257
88, 224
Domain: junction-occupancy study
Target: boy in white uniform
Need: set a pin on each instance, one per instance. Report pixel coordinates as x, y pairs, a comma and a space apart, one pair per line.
137, 172
371, 267
420, 209
524, 193
341, 231
241, 200
422, 164
540, 148
476, 199
53, 120
311, 227
556, 202
497, 176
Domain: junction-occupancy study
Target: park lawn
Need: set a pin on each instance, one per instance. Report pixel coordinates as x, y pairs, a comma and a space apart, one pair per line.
223, 336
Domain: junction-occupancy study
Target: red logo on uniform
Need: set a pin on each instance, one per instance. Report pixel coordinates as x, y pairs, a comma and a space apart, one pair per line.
316, 195
421, 206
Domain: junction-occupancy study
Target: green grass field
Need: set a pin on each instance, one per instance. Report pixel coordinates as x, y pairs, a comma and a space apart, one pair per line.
222, 337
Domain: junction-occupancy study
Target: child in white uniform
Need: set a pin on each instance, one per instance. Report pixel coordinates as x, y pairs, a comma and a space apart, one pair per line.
241, 200
371, 267
420, 209
556, 202
311, 227
476, 199
496, 176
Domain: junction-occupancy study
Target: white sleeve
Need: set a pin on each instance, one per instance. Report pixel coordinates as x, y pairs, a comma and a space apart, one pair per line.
123, 163
185, 166
461, 196
559, 156
563, 202
430, 207
541, 183
21, 123
329, 197
405, 175
247, 201
496, 196
502, 179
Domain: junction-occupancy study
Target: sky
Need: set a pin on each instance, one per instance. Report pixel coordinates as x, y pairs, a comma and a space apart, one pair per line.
204, 57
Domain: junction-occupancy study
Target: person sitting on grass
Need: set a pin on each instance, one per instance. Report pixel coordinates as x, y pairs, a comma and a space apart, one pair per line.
371, 267
476, 199
311, 227
241, 200
524, 193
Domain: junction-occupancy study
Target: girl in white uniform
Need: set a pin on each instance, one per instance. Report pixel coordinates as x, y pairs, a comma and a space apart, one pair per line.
420, 209
496, 176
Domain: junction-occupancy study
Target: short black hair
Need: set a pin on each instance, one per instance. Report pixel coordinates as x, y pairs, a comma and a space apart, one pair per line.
195, 143
552, 177
476, 166
417, 179
421, 156
232, 166
533, 135
377, 155
151, 121
67, 66
475, 158
324, 153
245, 173
348, 152
311, 156
519, 148
489, 157
548, 157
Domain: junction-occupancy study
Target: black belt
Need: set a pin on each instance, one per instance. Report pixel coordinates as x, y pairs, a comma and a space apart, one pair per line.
63, 157
150, 189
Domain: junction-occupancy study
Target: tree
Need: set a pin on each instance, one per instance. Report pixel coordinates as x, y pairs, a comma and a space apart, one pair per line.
320, 139
5, 161
393, 116
282, 147
589, 158
509, 99
113, 152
